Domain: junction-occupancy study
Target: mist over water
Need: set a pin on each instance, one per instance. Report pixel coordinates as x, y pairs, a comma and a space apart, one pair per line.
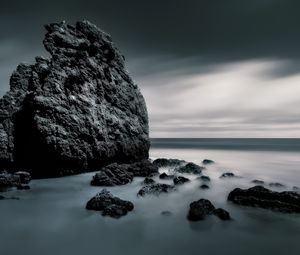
51, 217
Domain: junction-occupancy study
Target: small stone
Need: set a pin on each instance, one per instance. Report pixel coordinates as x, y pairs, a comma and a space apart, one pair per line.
258, 182
204, 178
166, 213
227, 175
276, 184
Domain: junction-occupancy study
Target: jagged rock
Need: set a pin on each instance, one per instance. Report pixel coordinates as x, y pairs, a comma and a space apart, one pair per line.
165, 176
207, 161
112, 175
180, 180
109, 205
202, 208
190, 168
148, 181
276, 185
258, 196
228, 175
75, 111
164, 162
155, 189
143, 168
9, 180
204, 178
258, 182
204, 186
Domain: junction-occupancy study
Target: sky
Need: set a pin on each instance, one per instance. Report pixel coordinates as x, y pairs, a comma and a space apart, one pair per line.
207, 68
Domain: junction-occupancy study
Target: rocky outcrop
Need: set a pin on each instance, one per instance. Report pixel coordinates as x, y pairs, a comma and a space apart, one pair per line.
75, 111
258, 196
18, 179
109, 205
190, 168
120, 174
155, 189
202, 208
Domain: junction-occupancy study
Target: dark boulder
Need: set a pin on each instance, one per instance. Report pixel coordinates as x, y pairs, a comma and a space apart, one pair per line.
143, 168
207, 162
190, 168
228, 175
204, 178
202, 208
180, 180
258, 196
258, 182
112, 175
148, 180
164, 162
165, 176
74, 111
204, 186
155, 189
109, 205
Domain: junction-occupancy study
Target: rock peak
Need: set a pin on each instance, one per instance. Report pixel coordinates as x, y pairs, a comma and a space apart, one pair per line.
73, 112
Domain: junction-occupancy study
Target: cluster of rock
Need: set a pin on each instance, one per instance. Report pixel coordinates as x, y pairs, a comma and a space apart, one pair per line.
75, 111
17, 180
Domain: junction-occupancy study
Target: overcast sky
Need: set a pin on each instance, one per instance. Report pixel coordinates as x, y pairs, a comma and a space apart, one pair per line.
207, 68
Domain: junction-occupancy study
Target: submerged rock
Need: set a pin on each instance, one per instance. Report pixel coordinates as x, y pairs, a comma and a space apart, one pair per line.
166, 213
23, 187
109, 205
148, 181
276, 185
155, 189
164, 162
190, 168
202, 208
228, 175
258, 182
207, 161
75, 111
180, 180
258, 196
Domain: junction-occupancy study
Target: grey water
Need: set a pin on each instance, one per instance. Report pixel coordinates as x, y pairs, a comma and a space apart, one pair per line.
51, 217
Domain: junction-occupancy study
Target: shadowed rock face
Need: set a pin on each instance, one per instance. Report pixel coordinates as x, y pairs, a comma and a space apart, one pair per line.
75, 111
258, 196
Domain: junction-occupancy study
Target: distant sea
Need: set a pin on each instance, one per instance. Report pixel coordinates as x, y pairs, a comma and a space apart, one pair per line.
257, 144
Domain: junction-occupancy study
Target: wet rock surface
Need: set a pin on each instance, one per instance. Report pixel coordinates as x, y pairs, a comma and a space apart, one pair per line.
155, 189
109, 205
180, 180
190, 168
258, 196
9, 180
202, 208
164, 162
75, 111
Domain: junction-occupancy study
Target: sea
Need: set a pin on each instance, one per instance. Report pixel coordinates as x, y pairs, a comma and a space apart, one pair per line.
51, 217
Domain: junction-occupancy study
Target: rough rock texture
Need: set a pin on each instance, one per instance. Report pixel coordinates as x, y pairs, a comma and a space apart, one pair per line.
202, 208
148, 180
155, 189
190, 168
143, 168
18, 179
258, 196
165, 176
112, 175
75, 111
164, 162
109, 205
180, 180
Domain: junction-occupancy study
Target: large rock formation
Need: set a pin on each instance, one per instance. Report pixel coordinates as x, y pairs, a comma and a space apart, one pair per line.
75, 111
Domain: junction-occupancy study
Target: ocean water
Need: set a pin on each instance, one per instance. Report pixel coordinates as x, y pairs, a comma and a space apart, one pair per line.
51, 217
